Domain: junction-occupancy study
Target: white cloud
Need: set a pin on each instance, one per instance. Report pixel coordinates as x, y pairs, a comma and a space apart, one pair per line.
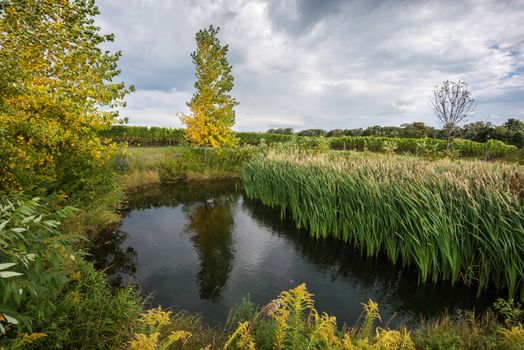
323, 64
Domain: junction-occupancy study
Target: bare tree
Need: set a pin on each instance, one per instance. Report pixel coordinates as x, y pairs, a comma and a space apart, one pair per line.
452, 103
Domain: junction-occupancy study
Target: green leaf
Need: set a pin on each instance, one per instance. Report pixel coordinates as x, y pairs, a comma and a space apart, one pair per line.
8, 274
10, 319
6, 265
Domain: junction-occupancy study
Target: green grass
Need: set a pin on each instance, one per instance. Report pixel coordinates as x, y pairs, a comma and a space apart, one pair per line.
454, 220
151, 165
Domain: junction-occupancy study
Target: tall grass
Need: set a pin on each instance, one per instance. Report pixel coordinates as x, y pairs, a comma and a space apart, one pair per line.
457, 221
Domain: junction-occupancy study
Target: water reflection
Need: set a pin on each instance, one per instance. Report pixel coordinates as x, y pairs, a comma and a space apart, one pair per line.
387, 281
111, 256
210, 224
203, 247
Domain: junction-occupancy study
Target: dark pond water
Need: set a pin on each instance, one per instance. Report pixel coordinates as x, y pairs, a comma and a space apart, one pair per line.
204, 246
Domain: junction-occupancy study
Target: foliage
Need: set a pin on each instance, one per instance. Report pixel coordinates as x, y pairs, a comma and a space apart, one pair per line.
296, 324
145, 136
35, 258
282, 131
510, 310
212, 114
153, 320
292, 322
511, 132
53, 80
256, 138
181, 163
88, 314
458, 221
312, 132
160, 329
428, 147
49, 294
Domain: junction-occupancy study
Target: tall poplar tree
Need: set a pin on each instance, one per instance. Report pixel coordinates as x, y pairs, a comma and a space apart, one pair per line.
212, 107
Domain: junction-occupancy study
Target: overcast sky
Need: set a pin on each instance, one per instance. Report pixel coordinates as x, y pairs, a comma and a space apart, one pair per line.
322, 64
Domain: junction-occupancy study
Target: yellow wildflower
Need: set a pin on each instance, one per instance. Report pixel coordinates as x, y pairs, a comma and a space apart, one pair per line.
178, 335
144, 342
154, 317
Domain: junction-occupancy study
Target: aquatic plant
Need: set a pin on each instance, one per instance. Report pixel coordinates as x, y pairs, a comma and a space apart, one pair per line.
453, 220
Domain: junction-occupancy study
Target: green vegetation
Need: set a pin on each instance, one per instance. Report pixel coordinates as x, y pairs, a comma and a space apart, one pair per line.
510, 132
454, 220
56, 88
149, 165
184, 164
212, 107
291, 322
50, 295
56, 95
433, 148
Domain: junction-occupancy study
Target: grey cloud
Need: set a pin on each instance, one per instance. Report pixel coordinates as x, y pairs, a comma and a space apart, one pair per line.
298, 17
326, 64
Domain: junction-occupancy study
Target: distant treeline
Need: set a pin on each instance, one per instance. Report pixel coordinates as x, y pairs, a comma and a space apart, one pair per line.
157, 136
511, 132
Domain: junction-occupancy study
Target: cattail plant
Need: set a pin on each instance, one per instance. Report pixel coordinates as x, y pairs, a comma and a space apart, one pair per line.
461, 221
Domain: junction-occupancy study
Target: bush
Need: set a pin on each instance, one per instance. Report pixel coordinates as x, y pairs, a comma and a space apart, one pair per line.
497, 149
35, 261
50, 296
89, 314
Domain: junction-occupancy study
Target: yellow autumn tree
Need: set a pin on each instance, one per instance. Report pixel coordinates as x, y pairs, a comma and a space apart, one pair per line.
212, 107
56, 94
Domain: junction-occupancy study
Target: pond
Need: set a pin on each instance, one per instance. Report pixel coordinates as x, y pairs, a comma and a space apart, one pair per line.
203, 246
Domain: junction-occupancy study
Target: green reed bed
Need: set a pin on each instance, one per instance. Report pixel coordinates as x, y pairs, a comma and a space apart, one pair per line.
453, 220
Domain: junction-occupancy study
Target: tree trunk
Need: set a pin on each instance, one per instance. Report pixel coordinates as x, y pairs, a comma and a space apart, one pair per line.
448, 142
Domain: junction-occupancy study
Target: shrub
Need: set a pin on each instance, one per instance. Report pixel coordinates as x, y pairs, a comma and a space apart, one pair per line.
36, 259
50, 296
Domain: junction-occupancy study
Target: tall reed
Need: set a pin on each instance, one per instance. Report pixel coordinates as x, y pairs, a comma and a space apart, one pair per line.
453, 220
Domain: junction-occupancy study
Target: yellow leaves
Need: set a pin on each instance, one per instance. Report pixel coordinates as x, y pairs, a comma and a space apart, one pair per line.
371, 309
211, 106
51, 104
297, 325
324, 332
